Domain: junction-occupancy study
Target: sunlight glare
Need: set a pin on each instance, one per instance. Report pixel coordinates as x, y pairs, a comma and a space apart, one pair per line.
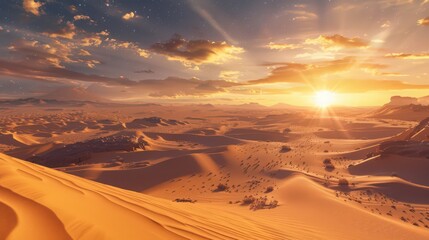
324, 98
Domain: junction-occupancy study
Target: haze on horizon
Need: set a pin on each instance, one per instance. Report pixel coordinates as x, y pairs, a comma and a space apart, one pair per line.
216, 51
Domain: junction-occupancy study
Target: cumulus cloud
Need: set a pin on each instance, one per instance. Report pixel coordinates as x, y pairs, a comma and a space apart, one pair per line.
337, 42
94, 40
423, 21
129, 16
117, 44
51, 54
409, 56
83, 18
54, 54
281, 46
67, 32
32, 6
192, 53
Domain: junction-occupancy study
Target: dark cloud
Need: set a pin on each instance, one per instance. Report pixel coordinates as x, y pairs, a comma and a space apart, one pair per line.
196, 52
144, 71
26, 70
165, 88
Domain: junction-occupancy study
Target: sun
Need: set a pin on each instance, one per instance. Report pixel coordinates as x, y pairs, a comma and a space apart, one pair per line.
324, 98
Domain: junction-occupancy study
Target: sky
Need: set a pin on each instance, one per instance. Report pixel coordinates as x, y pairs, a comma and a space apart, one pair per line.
218, 51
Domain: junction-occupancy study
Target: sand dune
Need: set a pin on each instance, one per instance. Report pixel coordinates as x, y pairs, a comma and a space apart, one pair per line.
38, 200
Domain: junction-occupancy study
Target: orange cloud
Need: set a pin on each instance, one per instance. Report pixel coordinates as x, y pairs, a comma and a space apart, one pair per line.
32, 6
409, 56
336, 42
423, 21
322, 75
129, 16
281, 46
116, 44
196, 52
67, 32
83, 18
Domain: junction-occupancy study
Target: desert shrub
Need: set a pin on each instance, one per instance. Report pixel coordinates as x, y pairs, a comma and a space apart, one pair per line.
273, 204
285, 149
221, 187
258, 203
262, 203
329, 167
287, 130
269, 189
343, 182
247, 200
327, 161
184, 200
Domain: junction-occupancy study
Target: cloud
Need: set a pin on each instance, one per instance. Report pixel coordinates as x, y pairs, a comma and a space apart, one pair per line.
94, 40
325, 75
192, 53
52, 54
301, 73
302, 15
408, 56
67, 32
423, 21
49, 73
337, 42
281, 46
129, 16
171, 87
32, 6
116, 44
229, 75
83, 18
144, 71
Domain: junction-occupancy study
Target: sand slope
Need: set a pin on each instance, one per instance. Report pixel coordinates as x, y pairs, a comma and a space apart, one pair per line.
41, 203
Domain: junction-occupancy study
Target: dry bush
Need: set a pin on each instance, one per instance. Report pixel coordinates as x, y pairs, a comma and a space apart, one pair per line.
184, 200
327, 161
221, 187
285, 149
343, 182
262, 203
269, 189
247, 200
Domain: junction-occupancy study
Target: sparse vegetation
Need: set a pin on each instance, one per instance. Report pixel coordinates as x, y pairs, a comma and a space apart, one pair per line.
269, 189
285, 149
221, 187
184, 200
342, 182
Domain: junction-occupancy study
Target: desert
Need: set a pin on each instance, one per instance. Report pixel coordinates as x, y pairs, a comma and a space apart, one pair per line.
214, 119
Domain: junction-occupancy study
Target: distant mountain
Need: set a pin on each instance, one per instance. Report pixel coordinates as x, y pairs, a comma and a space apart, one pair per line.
401, 101
73, 94
403, 108
409, 112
